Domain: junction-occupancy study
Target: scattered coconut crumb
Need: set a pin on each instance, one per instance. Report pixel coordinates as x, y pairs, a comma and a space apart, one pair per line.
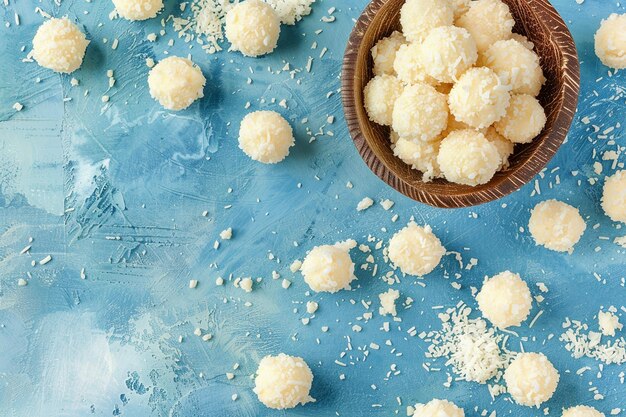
388, 302
364, 204
226, 234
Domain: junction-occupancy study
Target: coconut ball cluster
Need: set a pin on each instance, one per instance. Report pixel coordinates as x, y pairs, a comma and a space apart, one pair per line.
283, 382
457, 87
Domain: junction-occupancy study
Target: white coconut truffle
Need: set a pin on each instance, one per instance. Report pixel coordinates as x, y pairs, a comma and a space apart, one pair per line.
380, 95
419, 155
516, 65
502, 144
447, 52
556, 225
252, 27
614, 197
582, 411
265, 136
438, 408
138, 9
479, 98
283, 381
531, 379
409, 67
329, 268
420, 113
505, 300
59, 45
610, 41
419, 17
524, 119
384, 53
176, 83
488, 21
415, 250
467, 157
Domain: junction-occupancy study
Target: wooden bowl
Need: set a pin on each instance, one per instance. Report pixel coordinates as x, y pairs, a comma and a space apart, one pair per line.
543, 26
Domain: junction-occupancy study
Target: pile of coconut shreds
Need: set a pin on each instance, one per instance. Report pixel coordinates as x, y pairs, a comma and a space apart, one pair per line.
473, 349
202, 21
582, 342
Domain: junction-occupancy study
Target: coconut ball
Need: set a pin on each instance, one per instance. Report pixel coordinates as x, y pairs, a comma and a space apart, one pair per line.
582, 411
252, 27
467, 157
438, 408
488, 21
524, 120
419, 155
610, 41
447, 52
138, 9
59, 45
516, 66
502, 144
614, 197
265, 136
283, 381
384, 53
415, 250
380, 95
505, 300
479, 98
176, 83
420, 113
556, 225
329, 268
419, 17
409, 67
531, 379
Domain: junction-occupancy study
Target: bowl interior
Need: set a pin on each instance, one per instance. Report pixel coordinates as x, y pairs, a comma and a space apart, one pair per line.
553, 43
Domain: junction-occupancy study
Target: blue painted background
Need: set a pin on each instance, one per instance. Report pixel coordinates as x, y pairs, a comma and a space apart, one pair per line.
119, 189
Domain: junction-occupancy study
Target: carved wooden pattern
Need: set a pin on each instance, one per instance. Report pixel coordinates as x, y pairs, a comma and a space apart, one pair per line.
543, 26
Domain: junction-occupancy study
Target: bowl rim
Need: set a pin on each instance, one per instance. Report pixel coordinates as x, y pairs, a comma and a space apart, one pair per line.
541, 155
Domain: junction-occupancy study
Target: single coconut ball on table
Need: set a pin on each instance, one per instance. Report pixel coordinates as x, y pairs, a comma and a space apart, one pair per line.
531, 379
479, 98
252, 27
420, 113
329, 268
516, 65
176, 83
467, 157
610, 41
447, 52
265, 136
488, 21
379, 97
415, 250
138, 9
384, 53
438, 408
419, 17
409, 67
524, 119
556, 225
59, 45
502, 144
581, 411
283, 382
614, 196
505, 300
419, 155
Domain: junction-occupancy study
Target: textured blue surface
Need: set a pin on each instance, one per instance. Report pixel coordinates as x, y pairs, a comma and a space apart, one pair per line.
119, 190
